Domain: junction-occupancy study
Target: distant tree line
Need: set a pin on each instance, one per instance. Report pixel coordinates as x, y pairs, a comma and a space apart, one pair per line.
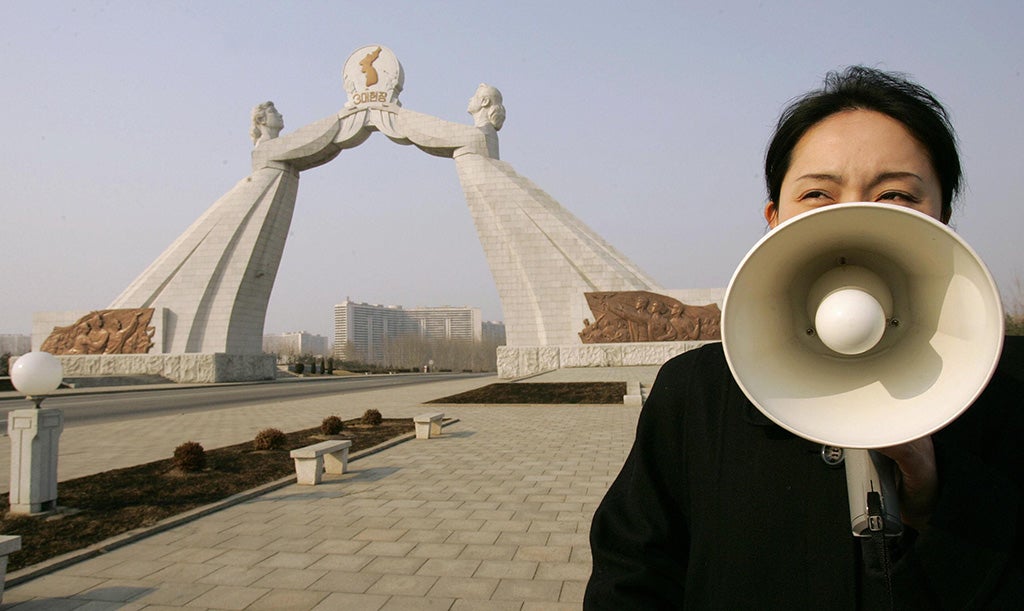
413, 353
1014, 324
1015, 309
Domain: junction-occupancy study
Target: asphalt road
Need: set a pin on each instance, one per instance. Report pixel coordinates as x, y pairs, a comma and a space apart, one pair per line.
96, 407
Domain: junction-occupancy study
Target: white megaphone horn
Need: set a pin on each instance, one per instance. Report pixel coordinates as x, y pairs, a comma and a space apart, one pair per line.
862, 326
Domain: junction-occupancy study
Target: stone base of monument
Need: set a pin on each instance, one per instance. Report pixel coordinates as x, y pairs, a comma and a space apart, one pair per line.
519, 361
135, 379
189, 368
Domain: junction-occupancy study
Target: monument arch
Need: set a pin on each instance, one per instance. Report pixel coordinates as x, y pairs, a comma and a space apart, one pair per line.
210, 288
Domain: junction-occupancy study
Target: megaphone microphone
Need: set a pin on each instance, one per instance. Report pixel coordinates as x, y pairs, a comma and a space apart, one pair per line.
862, 326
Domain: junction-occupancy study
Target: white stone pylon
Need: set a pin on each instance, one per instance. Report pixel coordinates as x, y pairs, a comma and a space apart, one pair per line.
215, 279
542, 257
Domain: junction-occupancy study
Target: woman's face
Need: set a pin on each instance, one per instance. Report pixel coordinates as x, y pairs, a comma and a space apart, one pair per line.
274, 118
857, 156
475, 102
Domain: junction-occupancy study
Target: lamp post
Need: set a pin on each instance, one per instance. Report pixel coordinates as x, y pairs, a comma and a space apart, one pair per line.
34, 435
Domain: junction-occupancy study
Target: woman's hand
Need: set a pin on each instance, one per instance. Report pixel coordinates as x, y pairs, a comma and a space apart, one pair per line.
918, 481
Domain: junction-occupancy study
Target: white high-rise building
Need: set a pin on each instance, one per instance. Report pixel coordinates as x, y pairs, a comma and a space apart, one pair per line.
361, 330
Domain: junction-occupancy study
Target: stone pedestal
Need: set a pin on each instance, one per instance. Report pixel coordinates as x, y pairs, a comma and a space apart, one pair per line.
190, 368
34, 435
519, 361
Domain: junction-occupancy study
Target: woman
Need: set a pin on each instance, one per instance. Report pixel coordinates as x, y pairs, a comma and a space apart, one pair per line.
718, 508
267, 123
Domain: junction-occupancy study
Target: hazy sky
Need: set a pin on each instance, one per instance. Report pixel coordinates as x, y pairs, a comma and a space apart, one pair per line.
126, 120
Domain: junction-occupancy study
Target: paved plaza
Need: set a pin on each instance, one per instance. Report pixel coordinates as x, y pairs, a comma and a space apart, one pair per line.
494, 514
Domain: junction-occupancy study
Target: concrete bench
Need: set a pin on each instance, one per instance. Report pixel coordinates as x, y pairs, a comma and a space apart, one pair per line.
8, 545
633, 396
428, 425
312, 461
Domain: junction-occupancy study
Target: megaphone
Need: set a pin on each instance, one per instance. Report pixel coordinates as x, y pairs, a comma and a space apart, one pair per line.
862, 326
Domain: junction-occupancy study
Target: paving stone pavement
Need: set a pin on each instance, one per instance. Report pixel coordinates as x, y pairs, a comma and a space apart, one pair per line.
494, 514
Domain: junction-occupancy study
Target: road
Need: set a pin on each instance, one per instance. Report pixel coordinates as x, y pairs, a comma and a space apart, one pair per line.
98, 407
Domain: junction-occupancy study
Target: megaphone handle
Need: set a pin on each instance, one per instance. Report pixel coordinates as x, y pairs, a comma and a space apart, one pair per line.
871, 489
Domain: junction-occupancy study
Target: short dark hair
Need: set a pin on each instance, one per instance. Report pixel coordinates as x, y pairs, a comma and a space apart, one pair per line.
890, 93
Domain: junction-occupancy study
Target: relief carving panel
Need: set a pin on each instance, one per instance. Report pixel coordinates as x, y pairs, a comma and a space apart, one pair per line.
123, 331
643, 316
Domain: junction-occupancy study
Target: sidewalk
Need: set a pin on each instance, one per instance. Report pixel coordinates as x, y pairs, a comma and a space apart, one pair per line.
492, 515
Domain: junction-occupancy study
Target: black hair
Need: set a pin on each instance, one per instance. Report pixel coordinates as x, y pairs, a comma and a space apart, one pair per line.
889, 93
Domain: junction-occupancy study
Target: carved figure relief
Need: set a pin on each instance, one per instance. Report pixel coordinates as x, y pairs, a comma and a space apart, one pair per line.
104, 332
643, 316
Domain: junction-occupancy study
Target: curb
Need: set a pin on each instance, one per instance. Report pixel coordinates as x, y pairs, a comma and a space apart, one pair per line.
59, 562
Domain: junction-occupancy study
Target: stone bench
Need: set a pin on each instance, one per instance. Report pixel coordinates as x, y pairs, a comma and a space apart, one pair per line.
633, 396
428, 425
312, 461
8, 545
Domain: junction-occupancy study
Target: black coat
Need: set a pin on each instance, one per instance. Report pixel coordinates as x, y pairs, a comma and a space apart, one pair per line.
718, 508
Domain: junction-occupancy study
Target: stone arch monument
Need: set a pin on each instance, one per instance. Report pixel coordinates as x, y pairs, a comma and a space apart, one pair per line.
211, 286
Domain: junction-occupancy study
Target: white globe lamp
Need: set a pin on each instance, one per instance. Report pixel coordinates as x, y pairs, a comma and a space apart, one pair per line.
37, 374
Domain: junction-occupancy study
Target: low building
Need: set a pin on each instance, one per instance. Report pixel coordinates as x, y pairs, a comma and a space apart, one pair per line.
15, 345
295, 344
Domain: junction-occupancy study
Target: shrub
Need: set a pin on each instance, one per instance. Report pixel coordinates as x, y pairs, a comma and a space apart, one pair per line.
332, 425
372, 417
299, 367
269, 439
190, 457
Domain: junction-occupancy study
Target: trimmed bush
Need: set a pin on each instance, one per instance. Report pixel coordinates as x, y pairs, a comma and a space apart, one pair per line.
372, 417
190, 457
299, 367
332, 425
269, 439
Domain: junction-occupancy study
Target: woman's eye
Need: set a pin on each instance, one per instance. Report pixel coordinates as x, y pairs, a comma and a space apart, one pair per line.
897, 196
814, 195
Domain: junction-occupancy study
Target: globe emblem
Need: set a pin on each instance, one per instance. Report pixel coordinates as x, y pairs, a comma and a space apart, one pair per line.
373, 75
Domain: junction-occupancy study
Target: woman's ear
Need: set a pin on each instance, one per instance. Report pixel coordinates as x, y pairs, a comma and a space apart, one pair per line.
771, 214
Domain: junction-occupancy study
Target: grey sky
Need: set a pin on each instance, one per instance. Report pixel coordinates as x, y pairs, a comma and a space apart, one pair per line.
127, 120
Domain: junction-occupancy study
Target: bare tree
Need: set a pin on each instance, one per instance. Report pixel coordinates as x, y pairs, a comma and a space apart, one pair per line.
1015, 308
412, 352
